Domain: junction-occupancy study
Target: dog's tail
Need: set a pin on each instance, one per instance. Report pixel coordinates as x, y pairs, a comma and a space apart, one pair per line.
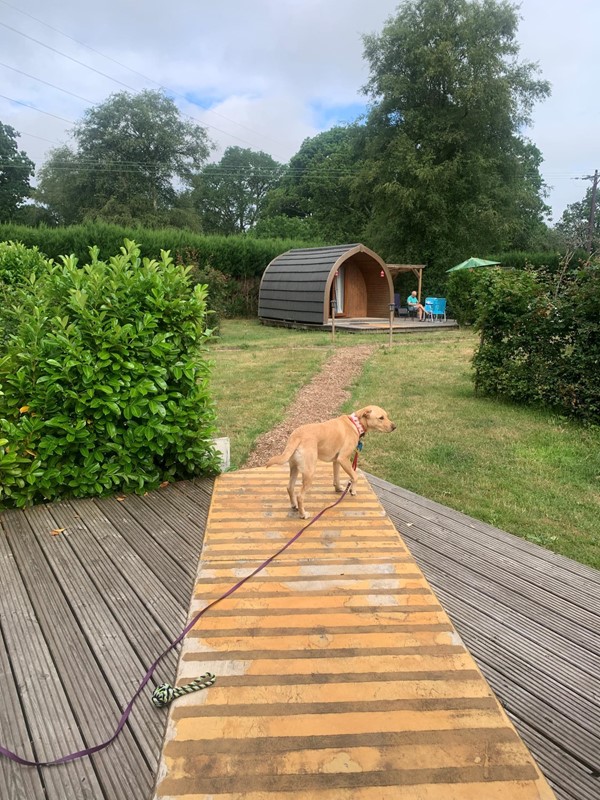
284, 457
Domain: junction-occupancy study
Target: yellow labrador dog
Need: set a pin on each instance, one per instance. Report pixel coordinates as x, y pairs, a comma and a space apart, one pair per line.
334, 440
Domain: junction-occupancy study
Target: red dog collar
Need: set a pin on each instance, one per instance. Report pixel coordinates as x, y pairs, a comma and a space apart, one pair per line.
357, 424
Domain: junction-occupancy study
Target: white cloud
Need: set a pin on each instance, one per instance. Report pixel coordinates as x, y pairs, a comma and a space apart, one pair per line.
265, 66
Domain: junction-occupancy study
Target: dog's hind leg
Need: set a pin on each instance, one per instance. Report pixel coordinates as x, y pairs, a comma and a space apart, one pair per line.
336, 476
308, 471
292, 484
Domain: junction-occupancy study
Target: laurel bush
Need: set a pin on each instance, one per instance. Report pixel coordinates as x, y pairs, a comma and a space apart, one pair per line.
105, 380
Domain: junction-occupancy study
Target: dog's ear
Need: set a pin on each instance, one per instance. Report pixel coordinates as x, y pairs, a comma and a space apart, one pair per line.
366, 413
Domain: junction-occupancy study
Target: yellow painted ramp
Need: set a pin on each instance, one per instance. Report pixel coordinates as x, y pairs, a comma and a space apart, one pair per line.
339, 675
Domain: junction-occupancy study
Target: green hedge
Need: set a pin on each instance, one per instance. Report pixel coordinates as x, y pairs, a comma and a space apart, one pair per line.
237, 256
548, 261
540, 339
104, 382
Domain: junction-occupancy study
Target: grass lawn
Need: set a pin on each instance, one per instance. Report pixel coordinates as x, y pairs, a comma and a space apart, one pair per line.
524, 470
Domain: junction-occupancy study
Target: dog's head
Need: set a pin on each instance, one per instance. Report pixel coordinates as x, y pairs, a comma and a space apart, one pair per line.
374, 418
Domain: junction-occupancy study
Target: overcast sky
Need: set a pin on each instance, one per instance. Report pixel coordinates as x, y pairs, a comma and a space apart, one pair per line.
266, 74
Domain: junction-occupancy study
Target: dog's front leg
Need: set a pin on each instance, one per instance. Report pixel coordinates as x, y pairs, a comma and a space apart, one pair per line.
346, 465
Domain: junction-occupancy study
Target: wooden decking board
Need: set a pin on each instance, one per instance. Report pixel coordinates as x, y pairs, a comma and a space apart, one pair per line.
68, 619
55, 596
144, 633
373, 638
170, 541
574, 705
50, 717
543, 638
539, 652
124, 561
542, 663
471, 544
167, 522
116, 666
173, 508
500, 542
527, 705
192, 498
14, 780
567, 771
517, 593
156, 559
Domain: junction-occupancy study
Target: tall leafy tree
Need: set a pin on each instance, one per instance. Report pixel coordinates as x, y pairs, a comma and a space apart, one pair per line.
15, 170
446, 165
319, 186
574, 225
229, 195
131, 153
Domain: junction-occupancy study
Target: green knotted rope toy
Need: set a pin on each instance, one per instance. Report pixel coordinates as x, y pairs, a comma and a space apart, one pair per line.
165, 693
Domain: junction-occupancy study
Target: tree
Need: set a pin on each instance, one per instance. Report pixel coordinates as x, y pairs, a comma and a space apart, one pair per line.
446, 165
319, 186
574, 225
15, 170
130, 152
229, 196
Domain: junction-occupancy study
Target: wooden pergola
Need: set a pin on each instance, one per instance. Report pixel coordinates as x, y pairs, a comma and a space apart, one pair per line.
416, 269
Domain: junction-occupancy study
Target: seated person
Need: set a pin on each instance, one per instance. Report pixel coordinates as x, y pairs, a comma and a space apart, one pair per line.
413, 303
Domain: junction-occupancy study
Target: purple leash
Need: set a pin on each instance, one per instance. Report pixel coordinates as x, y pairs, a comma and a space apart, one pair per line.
88, 751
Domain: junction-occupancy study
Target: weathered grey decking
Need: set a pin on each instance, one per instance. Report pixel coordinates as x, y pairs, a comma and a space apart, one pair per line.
530, 618
83, 614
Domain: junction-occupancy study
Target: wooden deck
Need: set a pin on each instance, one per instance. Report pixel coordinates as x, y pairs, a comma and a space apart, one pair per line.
339, 675
82, 616
400, 325
530, 618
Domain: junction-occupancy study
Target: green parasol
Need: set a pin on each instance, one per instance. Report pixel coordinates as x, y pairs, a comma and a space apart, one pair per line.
473, 263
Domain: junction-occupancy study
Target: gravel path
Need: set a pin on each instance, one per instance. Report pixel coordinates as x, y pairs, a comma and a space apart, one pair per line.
318, 401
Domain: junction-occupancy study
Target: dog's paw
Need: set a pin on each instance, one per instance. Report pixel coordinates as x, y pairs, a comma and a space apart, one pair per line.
353, 491
306, 515
339, 489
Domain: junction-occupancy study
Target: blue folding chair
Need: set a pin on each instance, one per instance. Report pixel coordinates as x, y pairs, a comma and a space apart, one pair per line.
429, 306
439, 308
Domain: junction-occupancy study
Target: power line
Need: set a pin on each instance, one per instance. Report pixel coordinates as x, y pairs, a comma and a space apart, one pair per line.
134, 167
46, 83
64, 55
35, 108
35, 136
121, 83
134, 71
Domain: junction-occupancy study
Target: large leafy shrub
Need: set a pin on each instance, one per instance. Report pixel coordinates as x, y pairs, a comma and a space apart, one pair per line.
461, 292
105, 380
540, 339
227, 297
17, 263
462, 287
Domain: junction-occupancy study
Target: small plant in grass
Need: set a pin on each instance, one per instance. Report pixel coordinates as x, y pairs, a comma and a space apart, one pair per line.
105, 380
